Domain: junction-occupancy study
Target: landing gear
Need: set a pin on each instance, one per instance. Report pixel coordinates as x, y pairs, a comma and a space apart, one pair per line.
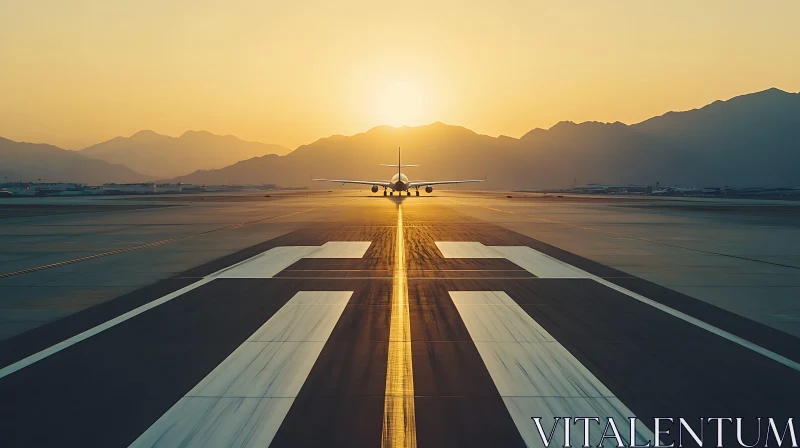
384, 192
391, 193
417, 192
408, 193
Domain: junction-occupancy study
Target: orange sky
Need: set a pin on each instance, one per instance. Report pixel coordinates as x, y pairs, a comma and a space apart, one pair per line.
79, 72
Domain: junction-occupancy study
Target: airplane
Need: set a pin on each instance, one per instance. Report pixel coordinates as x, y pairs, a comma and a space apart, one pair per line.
400, 182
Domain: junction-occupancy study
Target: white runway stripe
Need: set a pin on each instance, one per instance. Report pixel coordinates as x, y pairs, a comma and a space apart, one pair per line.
269, 263
341, 249
464, 249
216, 422
535, 374
264, 265
243, 401
273, 261
545, 266
495, 317
539, 264
531, 260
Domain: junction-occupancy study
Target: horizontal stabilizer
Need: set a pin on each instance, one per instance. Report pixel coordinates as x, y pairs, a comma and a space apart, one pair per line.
397, 166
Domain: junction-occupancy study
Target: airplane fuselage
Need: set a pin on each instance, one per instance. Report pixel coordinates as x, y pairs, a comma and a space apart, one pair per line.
399, 182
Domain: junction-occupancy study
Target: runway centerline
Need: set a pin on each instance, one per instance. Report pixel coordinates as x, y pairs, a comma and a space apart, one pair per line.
399, 419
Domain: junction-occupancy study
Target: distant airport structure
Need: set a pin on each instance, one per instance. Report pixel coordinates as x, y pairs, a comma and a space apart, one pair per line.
50, 189
23, 189
658, 190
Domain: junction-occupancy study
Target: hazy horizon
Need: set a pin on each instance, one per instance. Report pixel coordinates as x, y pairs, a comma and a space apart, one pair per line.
292, 148
83, 72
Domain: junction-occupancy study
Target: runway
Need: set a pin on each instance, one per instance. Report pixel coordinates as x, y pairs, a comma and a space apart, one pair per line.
339, 319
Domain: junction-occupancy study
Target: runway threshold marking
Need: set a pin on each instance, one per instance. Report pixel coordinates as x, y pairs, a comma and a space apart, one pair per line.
264, 265
534, 374
399, 417
608, 232
158, 243
545, 266
269, 263
244, 400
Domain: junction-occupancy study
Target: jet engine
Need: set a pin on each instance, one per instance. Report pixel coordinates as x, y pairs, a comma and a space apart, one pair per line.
374, 188
428, 189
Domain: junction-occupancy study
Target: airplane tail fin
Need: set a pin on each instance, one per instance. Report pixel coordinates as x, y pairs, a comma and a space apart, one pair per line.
399, 165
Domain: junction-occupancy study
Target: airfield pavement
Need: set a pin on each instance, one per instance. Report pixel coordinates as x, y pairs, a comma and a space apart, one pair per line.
342, 318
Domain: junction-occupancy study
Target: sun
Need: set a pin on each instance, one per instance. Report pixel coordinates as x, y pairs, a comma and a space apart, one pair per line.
400, 101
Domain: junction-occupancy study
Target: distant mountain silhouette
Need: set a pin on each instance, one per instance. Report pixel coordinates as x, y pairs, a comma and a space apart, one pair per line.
750, 140
164, 157
28, 162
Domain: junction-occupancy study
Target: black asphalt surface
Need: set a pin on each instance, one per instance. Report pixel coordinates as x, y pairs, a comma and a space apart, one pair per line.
107, 390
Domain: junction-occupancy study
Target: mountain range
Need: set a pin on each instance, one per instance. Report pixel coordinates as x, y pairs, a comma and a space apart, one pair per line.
30, 162
164, 157
749, 140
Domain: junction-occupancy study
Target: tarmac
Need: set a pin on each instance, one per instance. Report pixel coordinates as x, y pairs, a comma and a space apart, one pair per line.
347, 319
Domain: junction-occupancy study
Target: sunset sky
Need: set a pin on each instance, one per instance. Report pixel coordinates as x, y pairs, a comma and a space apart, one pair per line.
77, 72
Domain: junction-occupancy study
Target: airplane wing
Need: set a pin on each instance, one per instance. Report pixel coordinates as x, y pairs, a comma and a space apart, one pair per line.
442, 182
362, 182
